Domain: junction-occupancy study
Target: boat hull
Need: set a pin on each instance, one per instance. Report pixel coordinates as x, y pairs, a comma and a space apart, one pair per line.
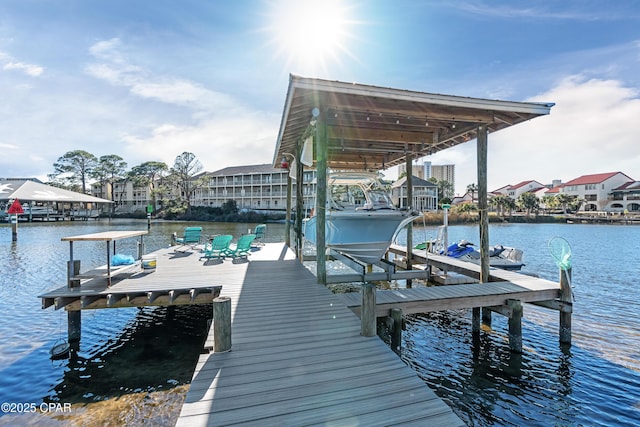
365, 236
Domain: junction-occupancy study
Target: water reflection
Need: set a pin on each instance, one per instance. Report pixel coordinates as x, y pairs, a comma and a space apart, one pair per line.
156, 350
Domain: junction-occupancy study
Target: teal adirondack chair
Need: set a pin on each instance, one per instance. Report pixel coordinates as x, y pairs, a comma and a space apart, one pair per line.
242, 248
259, 232
191, 237
218, 247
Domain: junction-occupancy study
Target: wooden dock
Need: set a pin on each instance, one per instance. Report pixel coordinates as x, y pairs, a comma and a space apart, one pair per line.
178, 279
298, 358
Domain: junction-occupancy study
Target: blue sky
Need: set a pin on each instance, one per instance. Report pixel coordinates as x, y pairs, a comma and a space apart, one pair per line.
148, 80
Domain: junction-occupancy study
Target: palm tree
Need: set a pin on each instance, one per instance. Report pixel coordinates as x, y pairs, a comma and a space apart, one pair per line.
528, 202
563, 200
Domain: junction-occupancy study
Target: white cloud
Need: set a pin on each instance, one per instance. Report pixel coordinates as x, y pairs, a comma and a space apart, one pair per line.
591, 129
114, 68
10, 64
218, 142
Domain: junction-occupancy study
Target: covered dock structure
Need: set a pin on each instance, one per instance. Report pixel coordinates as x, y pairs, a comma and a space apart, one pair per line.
46, 202
362, 127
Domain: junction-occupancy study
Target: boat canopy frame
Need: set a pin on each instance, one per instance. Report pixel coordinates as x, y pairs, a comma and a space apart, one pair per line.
372, 128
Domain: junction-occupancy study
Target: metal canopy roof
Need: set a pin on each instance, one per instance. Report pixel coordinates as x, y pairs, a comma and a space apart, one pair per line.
373, 128
30, 191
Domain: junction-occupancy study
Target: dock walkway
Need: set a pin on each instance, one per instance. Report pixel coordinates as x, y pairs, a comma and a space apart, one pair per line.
298, 358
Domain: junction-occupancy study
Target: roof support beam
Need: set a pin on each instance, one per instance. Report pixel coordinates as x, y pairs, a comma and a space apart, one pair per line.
321, 196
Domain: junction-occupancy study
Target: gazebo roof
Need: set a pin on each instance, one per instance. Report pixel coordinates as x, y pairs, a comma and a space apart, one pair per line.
31, 191
373, 128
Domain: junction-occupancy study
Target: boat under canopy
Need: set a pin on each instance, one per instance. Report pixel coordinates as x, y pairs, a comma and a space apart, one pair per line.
361, 221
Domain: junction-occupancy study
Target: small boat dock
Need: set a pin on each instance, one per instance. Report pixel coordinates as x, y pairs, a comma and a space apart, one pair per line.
299, 353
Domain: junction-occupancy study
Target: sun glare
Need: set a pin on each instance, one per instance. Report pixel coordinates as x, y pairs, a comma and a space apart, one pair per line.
310, 34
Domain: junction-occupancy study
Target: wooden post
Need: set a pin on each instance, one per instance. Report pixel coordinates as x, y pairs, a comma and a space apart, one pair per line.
515, 325
475, 320
565, 297
287, 227
396, 332
221, 324
368, 312
14, 228
299, 201
74, 318
482, 209
321, 197
409, 166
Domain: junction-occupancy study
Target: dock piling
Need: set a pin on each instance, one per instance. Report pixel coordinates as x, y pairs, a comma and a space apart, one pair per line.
515, 325
396, 332
74, 317
566, 298
368, 315
221, 324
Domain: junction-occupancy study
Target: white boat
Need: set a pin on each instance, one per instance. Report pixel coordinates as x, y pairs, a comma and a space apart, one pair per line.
361, 221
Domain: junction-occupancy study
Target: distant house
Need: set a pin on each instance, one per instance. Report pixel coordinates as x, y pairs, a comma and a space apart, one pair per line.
595, 189
466, 198
514, 191
625, 197
425, 194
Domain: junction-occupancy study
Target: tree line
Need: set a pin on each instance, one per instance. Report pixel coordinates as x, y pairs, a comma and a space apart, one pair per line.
175, 186
526, 202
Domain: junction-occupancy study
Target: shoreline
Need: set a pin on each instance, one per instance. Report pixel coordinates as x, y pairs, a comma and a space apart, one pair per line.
433, 218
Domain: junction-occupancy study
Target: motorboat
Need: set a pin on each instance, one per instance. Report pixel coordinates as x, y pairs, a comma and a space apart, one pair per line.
360, 218
506, 258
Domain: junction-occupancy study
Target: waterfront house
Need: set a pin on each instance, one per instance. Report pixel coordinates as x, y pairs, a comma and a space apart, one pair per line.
514, 191
425, 194
595, 189
626, 197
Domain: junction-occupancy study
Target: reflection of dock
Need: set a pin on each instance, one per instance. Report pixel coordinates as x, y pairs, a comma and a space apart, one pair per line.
298, 358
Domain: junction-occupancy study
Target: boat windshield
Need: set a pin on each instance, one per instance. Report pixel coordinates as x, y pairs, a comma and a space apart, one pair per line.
357, 191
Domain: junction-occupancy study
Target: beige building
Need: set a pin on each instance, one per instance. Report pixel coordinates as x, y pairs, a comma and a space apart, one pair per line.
440, 172
253, 187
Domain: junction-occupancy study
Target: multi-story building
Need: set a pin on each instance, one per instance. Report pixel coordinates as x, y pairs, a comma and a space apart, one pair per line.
441, 172
626, 197
253, 187
126, 196
595, 189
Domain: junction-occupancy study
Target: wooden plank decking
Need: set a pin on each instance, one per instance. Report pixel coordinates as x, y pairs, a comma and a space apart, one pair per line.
178, 279
298, 359
503, 285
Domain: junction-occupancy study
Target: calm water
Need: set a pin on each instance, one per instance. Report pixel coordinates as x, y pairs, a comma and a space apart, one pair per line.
135, 364
596, 382
132, 363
